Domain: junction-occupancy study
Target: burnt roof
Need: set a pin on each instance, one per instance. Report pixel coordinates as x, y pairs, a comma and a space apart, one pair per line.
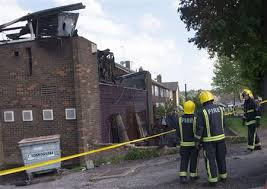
171, 85
44, 13
53, 22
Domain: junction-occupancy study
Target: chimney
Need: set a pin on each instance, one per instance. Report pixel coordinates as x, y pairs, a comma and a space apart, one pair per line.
159, 78
128, 64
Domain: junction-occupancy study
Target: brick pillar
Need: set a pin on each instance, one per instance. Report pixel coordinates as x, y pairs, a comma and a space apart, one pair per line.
149, 101
87, 94
1, 147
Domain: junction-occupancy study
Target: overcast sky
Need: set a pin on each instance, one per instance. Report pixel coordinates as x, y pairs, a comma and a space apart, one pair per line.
147, 32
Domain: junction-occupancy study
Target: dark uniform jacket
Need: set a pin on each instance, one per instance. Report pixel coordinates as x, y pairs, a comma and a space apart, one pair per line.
210, 123
252, 112
186, 130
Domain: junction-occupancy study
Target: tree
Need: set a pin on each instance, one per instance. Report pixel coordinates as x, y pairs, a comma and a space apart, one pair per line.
227, 77
163, 110
181, 100
194, 96
232, 28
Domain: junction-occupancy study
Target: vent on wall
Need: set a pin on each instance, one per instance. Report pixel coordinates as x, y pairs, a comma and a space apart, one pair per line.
70, 113
48, 90
9, 116
48, 115
27, 115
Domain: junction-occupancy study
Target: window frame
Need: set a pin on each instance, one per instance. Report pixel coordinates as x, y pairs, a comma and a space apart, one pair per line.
13, 117
52, 115
23, 118
66, 114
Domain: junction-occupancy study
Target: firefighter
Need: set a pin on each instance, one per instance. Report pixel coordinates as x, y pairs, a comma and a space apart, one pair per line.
210, 131
252, 118
188, 151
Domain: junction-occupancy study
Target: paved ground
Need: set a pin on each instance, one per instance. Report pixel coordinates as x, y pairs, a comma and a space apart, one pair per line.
246, 170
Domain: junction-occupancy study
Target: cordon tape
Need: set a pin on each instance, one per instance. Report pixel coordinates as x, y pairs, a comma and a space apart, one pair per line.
49, 162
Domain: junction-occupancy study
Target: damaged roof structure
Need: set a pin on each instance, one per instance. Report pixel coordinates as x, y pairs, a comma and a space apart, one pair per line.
54, 22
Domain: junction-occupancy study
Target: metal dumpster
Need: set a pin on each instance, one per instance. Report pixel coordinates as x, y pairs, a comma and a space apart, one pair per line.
40, 149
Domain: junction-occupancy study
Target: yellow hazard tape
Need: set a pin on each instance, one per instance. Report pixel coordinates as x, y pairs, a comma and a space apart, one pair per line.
231, 113
41, 164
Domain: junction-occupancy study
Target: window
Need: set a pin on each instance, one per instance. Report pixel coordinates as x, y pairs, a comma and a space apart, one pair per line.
9, 116
153, 88
161, 92
156, 91
70, 113
27, 115
171, 95
48, 115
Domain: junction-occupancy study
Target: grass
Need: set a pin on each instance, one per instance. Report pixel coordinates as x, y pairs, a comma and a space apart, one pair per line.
134, 154
235, 124
264, 120
109, 160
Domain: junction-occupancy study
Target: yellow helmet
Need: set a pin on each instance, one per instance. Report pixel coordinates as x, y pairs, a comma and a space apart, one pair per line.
205, 96
248, 92
189, 107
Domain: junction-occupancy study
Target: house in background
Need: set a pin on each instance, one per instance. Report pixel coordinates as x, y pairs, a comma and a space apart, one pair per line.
160, 93
174, 90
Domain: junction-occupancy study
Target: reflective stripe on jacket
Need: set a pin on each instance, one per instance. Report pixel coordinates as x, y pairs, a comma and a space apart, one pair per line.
187, 128
251, 112
210, 126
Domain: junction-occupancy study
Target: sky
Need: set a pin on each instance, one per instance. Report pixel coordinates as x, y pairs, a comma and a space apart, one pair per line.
147, 32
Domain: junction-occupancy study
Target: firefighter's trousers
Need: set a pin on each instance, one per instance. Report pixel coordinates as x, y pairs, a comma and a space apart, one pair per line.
253, 139
215, 159
189, 155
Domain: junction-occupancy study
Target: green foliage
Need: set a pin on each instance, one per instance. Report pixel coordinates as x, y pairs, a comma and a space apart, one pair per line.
162, 111
232, 28
264, 120
181, 100
235, 124
135, 154
227, 77
194, 96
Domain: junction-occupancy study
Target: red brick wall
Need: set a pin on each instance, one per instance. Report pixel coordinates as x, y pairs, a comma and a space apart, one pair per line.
126, 101
70, 67
87, 94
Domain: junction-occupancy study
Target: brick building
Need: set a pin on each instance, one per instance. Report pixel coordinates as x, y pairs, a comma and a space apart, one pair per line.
55, 82
49, 86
